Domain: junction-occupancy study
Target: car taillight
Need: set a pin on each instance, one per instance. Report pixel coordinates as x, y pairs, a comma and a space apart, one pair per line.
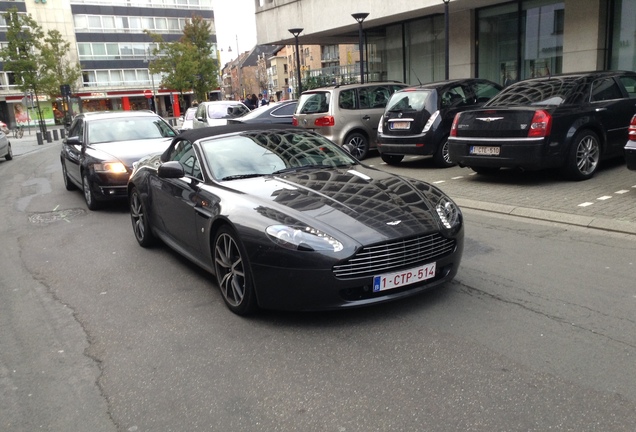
540, 125
325, 121
453, 131
430, 121
294, 121
631, 134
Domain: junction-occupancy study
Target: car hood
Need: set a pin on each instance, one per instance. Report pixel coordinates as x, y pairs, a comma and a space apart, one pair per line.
127, 152
363, 203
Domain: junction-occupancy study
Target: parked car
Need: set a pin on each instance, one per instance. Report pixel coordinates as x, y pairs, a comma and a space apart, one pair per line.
216, 113
417, 120
5, 146
346, 114
630, 147
569, 121
4, 128
186, 121
286, 219
276, 112
98, 154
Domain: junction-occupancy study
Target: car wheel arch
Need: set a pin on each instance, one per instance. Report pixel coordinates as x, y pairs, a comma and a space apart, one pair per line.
582, 124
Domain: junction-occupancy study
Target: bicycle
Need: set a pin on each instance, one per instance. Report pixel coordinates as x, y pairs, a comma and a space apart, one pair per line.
18, 132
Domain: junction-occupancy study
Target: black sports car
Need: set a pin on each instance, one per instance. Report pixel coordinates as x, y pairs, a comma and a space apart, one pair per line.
98, 154
276, 112
568, 121
286, 219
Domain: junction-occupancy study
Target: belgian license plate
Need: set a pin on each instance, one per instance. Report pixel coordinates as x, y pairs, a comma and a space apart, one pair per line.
402, 278
400, 125
485, 150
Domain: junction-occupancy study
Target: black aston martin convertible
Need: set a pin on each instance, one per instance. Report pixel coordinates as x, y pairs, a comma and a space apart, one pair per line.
286, 219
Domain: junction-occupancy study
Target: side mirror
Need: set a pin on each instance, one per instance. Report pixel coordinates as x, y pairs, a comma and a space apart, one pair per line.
349, 148
74, 140
171, 169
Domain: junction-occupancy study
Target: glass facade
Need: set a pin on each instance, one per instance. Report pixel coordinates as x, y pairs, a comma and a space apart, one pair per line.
623, 54
520, 40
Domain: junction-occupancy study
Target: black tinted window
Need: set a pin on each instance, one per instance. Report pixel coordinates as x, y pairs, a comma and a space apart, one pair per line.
183, 152
347, 99
630, 85
541, 92
605, 89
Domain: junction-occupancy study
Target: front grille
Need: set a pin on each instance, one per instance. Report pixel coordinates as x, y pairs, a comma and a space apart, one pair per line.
388, 257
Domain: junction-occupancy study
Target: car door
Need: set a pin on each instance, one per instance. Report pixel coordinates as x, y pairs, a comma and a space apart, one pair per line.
614, 111
175, 200
72, 150
373, 100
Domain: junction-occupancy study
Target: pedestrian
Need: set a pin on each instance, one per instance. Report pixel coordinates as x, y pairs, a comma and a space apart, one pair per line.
249, 102
263, 99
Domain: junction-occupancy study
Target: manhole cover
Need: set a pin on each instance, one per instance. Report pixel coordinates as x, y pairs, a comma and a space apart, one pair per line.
54, 216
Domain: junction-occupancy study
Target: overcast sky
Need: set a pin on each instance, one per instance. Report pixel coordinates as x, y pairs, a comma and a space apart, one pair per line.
234, 18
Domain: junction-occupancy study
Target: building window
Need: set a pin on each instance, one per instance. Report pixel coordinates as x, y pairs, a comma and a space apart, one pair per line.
623, 55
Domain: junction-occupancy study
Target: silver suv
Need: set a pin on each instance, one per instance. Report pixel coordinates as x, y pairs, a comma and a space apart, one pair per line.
346, 114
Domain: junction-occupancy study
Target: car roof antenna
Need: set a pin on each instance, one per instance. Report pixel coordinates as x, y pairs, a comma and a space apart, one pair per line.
418, 78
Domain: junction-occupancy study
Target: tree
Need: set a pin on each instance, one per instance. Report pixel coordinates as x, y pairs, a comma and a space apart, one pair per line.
37, 62
186, 64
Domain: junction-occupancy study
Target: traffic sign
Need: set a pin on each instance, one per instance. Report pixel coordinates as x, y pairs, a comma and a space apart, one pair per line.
148, 94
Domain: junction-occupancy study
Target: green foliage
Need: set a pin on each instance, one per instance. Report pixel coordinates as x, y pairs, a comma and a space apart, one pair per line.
60, 70
187, 64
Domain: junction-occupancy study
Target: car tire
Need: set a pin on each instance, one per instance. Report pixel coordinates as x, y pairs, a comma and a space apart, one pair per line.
139, 219
441, 158
89, 196
233, 272
485, 170
360, 145
584, 156
392, 159
68, 184
9, 154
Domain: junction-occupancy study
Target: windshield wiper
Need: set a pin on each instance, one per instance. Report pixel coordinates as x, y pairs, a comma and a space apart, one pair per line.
242, 176
298, 168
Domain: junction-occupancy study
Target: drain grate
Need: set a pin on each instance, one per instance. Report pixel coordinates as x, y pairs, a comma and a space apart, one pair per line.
54, 216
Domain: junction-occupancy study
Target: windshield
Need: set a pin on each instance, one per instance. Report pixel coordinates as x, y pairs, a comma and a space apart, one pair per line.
225, 110
189, 115
545, 92
313, 103
270, 152
408, 100
128, 129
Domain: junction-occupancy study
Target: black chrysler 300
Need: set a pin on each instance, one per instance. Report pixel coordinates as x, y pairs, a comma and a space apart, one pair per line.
569, 121
286, 219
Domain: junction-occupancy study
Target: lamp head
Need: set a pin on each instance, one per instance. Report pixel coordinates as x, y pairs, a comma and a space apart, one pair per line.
446, 1
360, 16
295, 31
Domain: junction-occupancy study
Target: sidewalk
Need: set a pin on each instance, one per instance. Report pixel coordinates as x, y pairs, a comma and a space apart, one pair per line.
29, 143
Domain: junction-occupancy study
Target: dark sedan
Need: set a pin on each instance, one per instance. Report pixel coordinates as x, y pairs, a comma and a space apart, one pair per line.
286, 219
569, 121
417, 120
276, 112
98, 155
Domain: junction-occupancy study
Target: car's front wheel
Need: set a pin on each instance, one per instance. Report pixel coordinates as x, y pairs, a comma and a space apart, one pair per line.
233, 272
359, 143
89, 196
392, 159
584, 156
139, 218
9, 154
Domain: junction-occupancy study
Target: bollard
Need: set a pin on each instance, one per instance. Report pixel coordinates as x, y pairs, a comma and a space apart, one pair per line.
62, 133
38, 135
55, 136
48, 136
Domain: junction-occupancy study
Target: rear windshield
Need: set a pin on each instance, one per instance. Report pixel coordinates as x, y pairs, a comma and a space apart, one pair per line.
550, 92
313, 103
408, 100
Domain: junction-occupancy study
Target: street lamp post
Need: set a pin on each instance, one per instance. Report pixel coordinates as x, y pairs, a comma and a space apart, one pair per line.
446, 62
299, 85
152, 79
360, 17
238, 68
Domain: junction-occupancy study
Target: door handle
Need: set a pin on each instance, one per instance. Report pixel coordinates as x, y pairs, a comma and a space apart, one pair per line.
366, 117
600, 109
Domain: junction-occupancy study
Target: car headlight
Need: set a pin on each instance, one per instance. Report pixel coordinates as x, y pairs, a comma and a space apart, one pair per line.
302, 238
110, 167
449, 214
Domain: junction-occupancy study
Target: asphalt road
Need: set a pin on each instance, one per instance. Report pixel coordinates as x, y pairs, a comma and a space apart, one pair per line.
536, 333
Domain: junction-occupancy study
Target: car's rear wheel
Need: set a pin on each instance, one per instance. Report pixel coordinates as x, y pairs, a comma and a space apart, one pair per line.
9, 154
441, 158
89, 196
392, 159
139, 218
584, 156
485, 170
360, 145
233, 272
68, 184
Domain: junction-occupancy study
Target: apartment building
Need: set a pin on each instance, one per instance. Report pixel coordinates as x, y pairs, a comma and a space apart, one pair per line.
107, 38
499, 40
